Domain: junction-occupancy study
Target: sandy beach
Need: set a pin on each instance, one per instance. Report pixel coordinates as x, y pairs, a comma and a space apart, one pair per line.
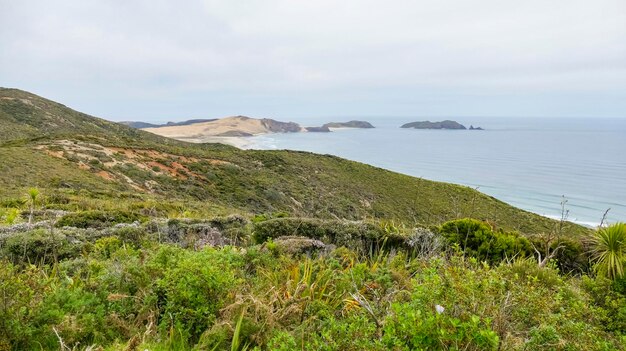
238, 142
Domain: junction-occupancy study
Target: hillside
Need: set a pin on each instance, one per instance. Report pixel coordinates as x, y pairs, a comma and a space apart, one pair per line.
25, 117
47, 144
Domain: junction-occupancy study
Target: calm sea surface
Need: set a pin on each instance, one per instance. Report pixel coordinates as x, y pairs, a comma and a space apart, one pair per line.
530, 163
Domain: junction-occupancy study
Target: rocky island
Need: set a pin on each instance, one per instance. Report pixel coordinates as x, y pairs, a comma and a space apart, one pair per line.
447, 124
322, 129
349, 124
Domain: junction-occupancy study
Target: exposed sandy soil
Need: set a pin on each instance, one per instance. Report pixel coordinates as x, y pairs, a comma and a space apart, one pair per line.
106, 175
109, 157
238, 142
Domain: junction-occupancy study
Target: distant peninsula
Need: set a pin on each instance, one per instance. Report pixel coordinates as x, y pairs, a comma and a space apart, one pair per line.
142, 125
235, 126
231, 129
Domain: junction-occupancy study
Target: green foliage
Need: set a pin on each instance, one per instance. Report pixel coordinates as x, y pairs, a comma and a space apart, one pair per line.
266, 216
609, 250
12, 202
227, 299
413, 329
478, 240
39, 246
194, 288
362, 236
98, 219
572, 257
9, 216
33, 194
610, 297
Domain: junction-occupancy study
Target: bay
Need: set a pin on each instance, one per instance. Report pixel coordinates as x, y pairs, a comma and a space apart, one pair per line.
531, 163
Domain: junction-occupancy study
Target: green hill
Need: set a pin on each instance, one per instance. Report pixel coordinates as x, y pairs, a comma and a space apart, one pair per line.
25, 116
51, 146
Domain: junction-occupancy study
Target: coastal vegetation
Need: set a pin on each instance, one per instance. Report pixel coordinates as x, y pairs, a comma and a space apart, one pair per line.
112, 238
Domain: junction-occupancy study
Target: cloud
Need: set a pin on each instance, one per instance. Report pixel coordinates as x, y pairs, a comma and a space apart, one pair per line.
157, 58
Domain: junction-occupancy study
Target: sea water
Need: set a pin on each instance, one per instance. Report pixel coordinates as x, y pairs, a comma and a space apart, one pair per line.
531, 163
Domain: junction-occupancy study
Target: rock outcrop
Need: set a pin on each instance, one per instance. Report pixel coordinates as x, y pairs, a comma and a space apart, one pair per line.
447, 124
350, 124
322, 129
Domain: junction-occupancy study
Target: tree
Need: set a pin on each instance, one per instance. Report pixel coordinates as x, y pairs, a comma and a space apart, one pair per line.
609, 250
33, 194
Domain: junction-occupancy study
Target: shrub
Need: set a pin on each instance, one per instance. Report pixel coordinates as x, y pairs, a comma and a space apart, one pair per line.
425, 243
22, 302
361, 236
478, 240
610, 297
609, 250
571, 258
130, 234
9, 215
194, 289
41, 246
12, 202
98, 219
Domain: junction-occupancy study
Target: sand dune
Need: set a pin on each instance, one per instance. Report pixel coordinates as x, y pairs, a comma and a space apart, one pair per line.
229, 126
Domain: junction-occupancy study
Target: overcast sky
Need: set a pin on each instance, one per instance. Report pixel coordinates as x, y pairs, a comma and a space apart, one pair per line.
170, 60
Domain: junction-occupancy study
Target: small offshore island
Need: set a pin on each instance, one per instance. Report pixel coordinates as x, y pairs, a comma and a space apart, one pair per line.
349, 124
447, 124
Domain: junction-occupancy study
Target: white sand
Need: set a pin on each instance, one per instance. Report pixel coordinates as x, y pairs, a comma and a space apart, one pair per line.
212, 129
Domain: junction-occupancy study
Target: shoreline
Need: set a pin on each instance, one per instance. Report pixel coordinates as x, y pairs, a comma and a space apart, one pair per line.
264, 141
238, 142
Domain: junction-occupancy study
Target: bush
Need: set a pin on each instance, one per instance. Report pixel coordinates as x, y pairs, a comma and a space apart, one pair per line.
609, 250
478, 240
425, 243
194, 288
98, 219
9, 215
610, 297
572, 257
41, 246
361, 236
22, 300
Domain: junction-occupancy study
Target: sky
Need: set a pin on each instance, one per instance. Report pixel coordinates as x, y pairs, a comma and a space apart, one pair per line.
159, 61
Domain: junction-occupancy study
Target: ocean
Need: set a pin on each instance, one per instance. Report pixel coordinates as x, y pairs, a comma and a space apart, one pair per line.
531, 163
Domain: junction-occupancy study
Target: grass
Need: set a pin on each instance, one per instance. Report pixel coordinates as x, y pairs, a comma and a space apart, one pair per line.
298, 183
